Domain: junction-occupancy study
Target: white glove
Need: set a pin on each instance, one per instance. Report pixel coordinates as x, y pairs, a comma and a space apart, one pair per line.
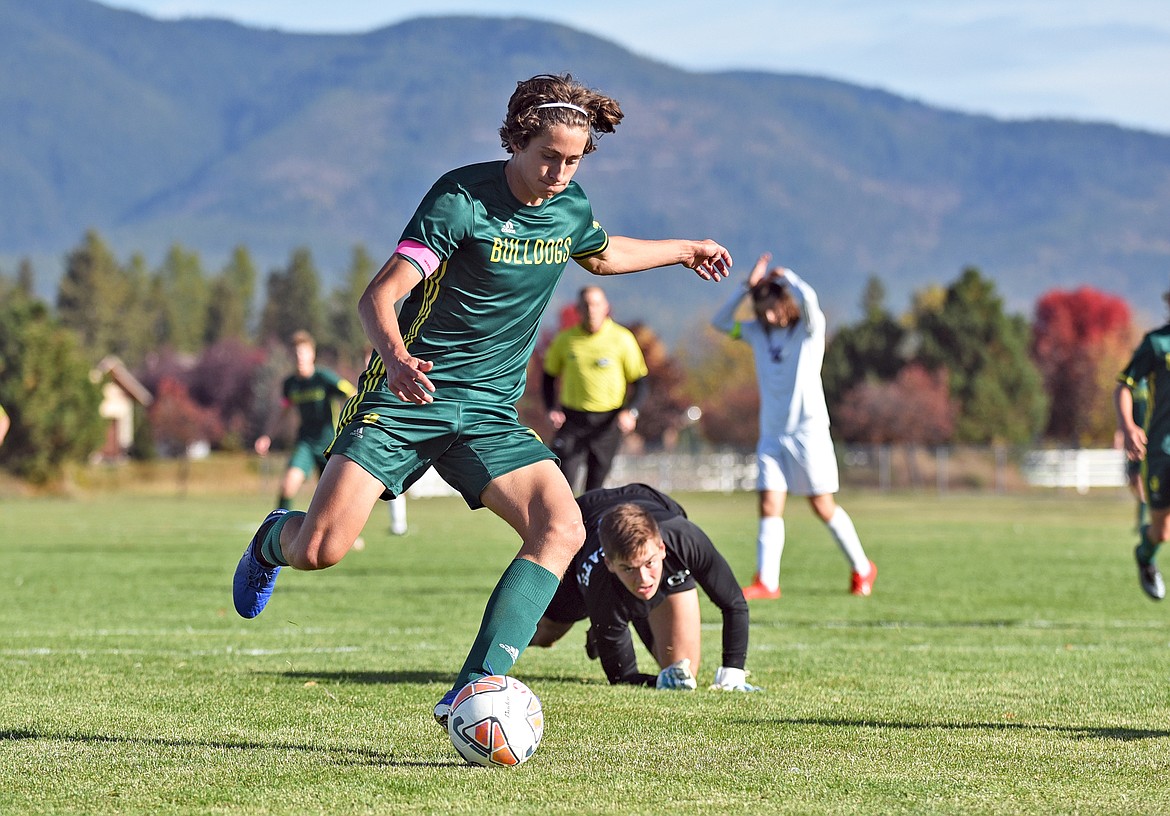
677, 677
729, 679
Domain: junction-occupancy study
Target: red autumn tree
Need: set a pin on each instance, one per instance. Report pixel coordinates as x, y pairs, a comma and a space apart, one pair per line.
913, 409
1080, 340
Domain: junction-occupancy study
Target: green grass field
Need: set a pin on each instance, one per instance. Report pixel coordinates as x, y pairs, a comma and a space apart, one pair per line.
1007, 663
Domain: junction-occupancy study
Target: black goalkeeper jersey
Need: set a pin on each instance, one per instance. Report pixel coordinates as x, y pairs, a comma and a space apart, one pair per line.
691, 559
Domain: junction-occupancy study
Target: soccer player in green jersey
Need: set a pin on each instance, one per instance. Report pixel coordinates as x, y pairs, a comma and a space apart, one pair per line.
1149, 443
1133, 470
310, 391
477, 264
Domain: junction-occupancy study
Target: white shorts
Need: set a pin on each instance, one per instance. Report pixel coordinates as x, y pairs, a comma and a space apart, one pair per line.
803, 463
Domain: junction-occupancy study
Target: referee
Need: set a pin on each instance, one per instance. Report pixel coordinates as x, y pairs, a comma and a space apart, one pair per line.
603, 381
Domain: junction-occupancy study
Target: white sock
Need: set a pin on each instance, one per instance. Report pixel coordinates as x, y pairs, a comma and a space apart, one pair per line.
398, 515
769, 548
841, 526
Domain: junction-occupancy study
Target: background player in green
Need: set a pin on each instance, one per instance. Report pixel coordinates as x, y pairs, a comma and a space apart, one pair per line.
477, 264
310, 391
603, 381
1149, 444
1133, 469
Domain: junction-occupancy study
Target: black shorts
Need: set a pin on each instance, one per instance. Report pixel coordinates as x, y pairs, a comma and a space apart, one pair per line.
568, 604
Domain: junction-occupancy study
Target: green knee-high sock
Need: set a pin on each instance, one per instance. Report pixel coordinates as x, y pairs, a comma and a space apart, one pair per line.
509, 621
270, 544
284, 503
1147, 549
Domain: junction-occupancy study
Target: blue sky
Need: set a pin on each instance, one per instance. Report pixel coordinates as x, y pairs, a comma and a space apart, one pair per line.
1093, 60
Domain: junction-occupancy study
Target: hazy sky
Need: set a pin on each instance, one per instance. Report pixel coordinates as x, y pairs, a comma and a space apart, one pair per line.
1099, 60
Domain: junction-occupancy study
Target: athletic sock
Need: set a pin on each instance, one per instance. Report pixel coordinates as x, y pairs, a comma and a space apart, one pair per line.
1147, 549
845, 534
398, 515
270, 553
521, 596
284, 504
769, 549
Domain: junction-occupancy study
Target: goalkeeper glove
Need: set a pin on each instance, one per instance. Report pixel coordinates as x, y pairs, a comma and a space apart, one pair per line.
729, 679
677, 677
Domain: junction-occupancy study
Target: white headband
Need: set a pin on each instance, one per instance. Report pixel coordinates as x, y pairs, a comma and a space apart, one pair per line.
568, 105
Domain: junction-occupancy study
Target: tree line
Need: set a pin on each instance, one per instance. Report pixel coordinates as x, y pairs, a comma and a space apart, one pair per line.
953, 368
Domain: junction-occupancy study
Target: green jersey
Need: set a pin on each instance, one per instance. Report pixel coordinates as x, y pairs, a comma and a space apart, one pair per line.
476, 317
1151, 361
312, 396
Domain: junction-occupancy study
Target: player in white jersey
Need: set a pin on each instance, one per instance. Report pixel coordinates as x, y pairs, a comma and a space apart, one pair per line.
795, 451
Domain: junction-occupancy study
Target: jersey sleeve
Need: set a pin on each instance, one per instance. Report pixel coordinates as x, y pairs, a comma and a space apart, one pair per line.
1140, 365
338, 385
810, 304
724, 319
444, 219
611, 635
712, 572
633, 361
591, 238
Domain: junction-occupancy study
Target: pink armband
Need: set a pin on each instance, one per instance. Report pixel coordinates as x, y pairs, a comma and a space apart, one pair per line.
421, 254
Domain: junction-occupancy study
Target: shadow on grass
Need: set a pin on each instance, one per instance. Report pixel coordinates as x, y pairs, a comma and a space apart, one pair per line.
358, 757
1077, 732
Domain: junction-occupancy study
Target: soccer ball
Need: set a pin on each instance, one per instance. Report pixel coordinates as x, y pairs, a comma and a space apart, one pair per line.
495, 720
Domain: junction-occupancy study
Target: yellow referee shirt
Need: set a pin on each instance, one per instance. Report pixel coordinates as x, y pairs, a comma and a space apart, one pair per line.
595, 369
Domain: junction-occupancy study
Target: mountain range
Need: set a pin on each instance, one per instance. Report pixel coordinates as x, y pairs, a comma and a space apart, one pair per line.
211, 134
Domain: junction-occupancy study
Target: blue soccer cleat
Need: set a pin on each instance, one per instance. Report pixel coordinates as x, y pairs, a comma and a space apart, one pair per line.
254, 582
443, 708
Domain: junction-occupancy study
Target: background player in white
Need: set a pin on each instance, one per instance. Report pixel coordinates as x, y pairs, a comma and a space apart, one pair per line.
795, 451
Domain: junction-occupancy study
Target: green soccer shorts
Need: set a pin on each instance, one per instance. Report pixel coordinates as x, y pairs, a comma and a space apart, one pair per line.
468, 444
307, 455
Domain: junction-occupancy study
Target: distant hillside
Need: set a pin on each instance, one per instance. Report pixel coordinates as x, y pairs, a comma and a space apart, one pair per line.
211, 134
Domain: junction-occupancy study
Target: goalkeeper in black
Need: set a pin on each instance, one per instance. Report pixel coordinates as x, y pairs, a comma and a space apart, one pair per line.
640, 566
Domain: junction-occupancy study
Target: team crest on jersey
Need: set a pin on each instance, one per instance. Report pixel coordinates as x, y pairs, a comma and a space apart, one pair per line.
371, 419
509, 228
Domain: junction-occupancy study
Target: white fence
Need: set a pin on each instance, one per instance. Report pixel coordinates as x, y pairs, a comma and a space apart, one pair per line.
1080, 468
866, 466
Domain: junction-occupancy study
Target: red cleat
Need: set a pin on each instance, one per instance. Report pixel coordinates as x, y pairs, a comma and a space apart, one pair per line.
756, 591
864, 586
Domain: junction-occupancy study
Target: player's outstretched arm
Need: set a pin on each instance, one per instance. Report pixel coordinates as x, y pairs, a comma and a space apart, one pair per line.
623, 255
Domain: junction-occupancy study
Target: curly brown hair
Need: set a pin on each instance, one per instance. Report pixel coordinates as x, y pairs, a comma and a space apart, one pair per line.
526, 118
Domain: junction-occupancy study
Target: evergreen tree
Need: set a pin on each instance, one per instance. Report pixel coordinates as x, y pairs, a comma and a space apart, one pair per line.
182, 297
872, 350
293, 300
140, 317
229, 312
26, 278
985, 353
91, 296
345, 333
46, 389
